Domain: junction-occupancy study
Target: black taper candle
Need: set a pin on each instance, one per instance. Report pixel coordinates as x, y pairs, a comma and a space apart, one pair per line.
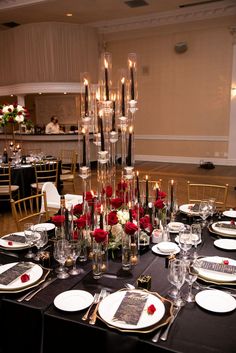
123, 99
132, 83
114, 116
138, 189
86, 101
106, 84
129, 157
102, 136
147, 192
101, 221
84, 151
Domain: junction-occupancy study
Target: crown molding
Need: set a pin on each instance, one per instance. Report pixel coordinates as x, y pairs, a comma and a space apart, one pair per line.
196, 13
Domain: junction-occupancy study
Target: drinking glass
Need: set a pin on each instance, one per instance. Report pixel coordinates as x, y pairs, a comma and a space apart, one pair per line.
176, 276
61, 252
74, 253
29, 239
190, 278
40, 239
185, 240
204, 211
196, 237
212, 206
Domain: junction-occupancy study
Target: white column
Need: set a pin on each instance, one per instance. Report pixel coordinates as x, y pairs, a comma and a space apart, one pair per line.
232, 120
21, 100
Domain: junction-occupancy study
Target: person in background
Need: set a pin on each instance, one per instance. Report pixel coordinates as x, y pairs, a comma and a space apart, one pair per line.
53, 127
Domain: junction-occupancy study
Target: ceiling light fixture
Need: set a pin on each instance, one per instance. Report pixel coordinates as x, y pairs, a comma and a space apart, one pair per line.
69, 14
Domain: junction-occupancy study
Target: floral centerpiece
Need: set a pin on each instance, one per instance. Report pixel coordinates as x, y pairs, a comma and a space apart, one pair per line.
12, 113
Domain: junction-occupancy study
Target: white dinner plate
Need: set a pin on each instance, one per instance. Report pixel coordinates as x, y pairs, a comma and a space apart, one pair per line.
34, 273
187, 209
177, 240
174, 227
214, 275
15, 245
157, 251
216, 301
230, 213
226, 244
109, 305
48, 226
224, 231
73, 300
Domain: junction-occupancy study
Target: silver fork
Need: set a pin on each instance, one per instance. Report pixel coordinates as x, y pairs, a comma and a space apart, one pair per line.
93, 317
167, 329
95, 301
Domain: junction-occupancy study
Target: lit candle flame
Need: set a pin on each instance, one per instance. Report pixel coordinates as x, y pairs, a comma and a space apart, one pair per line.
83, 130
131, 129
85, 82
137, 173
106, 64
146, 177
123, 80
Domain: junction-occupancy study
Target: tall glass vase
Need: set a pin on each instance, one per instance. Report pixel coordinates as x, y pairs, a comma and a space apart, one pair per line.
99, 259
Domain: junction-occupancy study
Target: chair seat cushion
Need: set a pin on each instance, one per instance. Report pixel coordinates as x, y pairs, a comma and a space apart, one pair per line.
65, 177
34, 185
4, 189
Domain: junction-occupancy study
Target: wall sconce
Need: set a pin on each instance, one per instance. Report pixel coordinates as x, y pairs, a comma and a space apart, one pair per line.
233, 92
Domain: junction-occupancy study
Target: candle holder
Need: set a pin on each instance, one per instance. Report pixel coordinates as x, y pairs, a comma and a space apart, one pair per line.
123, 127
85, 101
171, 200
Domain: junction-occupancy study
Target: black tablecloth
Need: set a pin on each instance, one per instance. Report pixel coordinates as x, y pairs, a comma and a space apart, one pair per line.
38, 326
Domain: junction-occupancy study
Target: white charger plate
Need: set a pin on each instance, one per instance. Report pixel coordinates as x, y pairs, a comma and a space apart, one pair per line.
15, 245
187, 209
34, 273
226, 244
73, 300
48, 226
157, 251
214, 275
109, 305
230, 213
174, 227
216, 301
224, 231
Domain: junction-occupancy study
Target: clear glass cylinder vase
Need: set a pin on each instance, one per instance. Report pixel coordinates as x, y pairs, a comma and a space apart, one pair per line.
99, 259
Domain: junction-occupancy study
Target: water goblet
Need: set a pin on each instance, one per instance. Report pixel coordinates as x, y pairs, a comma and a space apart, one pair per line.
196, 237
61, 253
190, 278
185, 240
74, 253
40, 239
29, 239
212, 206
204, 211
176, 276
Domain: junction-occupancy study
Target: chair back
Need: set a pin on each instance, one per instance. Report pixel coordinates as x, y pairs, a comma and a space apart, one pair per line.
198, 192
52, 194
45, 171
68, 161
29, 208
6, 188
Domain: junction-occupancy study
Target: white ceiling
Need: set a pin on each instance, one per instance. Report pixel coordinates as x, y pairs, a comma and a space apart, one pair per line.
90, 11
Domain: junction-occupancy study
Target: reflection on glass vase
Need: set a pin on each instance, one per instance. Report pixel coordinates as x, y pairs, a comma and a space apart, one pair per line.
129, 250
83, 256
99, 253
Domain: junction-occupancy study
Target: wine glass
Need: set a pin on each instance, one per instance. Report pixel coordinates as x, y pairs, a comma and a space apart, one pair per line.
190, 278
74, 253
61, 252
185, 240
177, 277
29, 239
196, 237
40, 239
204, 211
212, 206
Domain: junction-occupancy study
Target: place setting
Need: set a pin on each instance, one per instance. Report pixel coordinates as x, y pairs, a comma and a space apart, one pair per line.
166, 248
223, 228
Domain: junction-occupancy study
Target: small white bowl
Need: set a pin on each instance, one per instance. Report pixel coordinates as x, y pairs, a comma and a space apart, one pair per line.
167, 247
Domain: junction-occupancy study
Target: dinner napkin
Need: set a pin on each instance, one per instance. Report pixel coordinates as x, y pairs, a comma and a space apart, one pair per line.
195, 207
130, 308
218, 267
14, 272
226, 225
15, 237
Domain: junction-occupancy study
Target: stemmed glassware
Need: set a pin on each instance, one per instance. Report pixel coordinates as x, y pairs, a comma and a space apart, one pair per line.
74, 253
176, 277
185, 240
196, 237
29, 239
40, 239
61, 253
204, 211
190, 278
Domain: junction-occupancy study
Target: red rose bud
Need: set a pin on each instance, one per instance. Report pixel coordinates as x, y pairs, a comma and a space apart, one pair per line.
100, 235
112, 218
130, 228
10, 243
232, 222
226, 262
117, 202
151, 309
25, 278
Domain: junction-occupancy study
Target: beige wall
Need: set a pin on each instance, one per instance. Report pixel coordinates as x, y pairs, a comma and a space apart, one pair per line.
183, 94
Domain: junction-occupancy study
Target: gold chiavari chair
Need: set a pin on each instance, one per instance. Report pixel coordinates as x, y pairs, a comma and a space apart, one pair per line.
7, 190
44, 171
199, 192
68, 175
29, 208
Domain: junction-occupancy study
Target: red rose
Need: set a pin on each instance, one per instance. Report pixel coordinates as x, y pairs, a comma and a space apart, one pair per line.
78, 209
108, 191
144, 222
117, 202
100, 235
112, 218
226, 262
58, 220
159, 204
80, 222
151, 309
89, 197
162, 194
130, 228
10, 243
25, 278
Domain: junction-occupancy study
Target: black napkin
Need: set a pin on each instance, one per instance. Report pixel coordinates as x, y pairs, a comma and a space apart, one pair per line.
14, 272
15, 237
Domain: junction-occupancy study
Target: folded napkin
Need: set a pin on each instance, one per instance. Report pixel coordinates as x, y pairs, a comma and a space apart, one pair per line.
15, 237
194, 208
130, 308
215, 266
226, 225
14, 272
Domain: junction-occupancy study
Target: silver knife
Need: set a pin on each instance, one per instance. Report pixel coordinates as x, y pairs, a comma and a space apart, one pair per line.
165, 333
42, 286
9, 254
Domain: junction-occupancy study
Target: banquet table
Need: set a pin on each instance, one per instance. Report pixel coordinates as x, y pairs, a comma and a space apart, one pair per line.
38, 326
